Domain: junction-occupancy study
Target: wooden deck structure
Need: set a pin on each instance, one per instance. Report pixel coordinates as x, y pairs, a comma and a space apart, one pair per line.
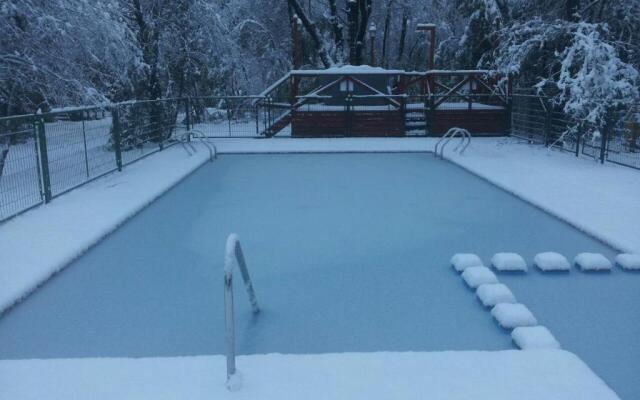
368, 101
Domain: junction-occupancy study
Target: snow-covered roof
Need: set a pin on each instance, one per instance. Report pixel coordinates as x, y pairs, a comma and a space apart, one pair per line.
349, 70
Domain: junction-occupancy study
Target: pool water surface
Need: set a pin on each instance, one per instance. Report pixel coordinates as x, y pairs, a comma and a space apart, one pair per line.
347, 252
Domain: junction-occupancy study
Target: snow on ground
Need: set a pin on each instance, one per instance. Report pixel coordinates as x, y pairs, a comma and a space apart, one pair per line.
511, 316
509, 262
599, 199
592, 262
502, 375
462, 261
494, 293
534, 338
476, 276
39, 243
551, 261
630, 262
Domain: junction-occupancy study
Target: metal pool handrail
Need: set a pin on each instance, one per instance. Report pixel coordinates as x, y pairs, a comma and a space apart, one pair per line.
233, 256
213, 150
465, 137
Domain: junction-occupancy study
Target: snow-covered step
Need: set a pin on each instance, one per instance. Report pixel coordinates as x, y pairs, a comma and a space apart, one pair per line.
510, 315
491, 294
550, 261
592, 262
534, 338
523, 375
462, 261
509, 262
629, 262
476, 276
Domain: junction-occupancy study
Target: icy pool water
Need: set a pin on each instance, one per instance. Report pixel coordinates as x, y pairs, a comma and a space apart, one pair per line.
348, 252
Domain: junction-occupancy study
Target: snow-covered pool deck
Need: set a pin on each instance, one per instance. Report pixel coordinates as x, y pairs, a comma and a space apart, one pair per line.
505, 375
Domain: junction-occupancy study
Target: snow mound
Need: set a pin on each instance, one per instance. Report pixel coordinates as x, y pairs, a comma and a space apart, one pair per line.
550, 261
534, 338
629, 262
511, 316
476, 276
491, 294
592, 262
462, 261
509, 262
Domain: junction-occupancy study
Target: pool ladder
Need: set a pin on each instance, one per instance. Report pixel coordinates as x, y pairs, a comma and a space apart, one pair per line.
465, 141
234, 256
187, 145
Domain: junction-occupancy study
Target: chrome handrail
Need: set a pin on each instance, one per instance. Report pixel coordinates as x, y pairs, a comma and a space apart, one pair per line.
465, 141
234, 256
213, 150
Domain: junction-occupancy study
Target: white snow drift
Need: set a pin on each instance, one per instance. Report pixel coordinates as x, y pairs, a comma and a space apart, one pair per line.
491, 294
509, 262
592, 262
476, 276
511, 316
630, 262
534, 338
550, 261
462, 261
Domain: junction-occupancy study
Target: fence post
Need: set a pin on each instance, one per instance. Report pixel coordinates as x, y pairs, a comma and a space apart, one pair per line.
547, 123
43, 158
256, 107
604, 136
188, 111
348, 115
403, 114
578, 137
115, 114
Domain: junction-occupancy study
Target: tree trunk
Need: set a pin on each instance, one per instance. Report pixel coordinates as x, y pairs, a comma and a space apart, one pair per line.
352, 18
571, 8
387, 25
364, 9
403, 33
311, 28
335, 26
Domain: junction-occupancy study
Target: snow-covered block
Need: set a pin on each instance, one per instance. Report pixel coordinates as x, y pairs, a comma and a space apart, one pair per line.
509, 262
511, 315
462, 261
491, 294
630, 262
476, 276
592, 262
534, 338
550, 261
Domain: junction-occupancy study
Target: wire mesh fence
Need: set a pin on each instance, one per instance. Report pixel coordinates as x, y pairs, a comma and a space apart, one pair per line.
45, 155
537, 119
238, 116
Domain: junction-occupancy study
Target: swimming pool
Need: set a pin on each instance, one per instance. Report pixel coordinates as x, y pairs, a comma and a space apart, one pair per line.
348, 252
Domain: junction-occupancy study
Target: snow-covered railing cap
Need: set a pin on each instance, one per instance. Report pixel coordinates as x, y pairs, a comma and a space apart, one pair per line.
347, 70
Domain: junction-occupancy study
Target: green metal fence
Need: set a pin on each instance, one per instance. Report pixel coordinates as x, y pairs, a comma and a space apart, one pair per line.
45, 155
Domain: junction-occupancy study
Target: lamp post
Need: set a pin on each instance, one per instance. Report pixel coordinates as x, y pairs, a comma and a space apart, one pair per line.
372, 36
